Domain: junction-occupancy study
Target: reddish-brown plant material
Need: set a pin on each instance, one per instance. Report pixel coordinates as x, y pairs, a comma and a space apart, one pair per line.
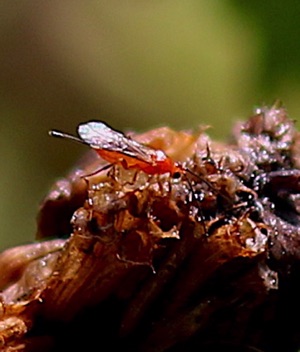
204, 261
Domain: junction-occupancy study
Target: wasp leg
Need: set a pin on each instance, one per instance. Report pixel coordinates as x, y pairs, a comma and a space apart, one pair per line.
193, 198
97, 171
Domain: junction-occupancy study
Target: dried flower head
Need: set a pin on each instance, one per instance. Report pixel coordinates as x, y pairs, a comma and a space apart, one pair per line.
198, 258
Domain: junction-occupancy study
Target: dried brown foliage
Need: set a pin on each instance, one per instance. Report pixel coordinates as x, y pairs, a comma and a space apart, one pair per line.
206, 261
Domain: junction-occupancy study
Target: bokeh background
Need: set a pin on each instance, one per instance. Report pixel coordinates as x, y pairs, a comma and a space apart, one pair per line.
137, 65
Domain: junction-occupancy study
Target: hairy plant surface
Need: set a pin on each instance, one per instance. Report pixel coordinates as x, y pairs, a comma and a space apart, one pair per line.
206, 259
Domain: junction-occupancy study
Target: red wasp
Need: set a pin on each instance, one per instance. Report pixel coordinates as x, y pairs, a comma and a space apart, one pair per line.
116, 148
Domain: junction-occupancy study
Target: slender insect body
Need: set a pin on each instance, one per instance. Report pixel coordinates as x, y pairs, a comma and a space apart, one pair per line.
117, 149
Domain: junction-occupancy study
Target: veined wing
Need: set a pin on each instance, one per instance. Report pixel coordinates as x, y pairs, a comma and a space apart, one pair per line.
100, 136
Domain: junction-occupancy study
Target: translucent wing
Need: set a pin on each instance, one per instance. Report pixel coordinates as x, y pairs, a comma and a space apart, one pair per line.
100, 136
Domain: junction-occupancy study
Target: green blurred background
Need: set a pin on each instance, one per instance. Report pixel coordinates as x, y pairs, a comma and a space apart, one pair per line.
136, 65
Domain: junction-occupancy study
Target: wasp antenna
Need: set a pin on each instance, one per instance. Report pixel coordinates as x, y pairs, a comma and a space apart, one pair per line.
59, 134
201, 178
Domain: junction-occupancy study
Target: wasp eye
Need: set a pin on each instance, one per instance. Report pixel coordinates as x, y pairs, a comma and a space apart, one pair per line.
176, 175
